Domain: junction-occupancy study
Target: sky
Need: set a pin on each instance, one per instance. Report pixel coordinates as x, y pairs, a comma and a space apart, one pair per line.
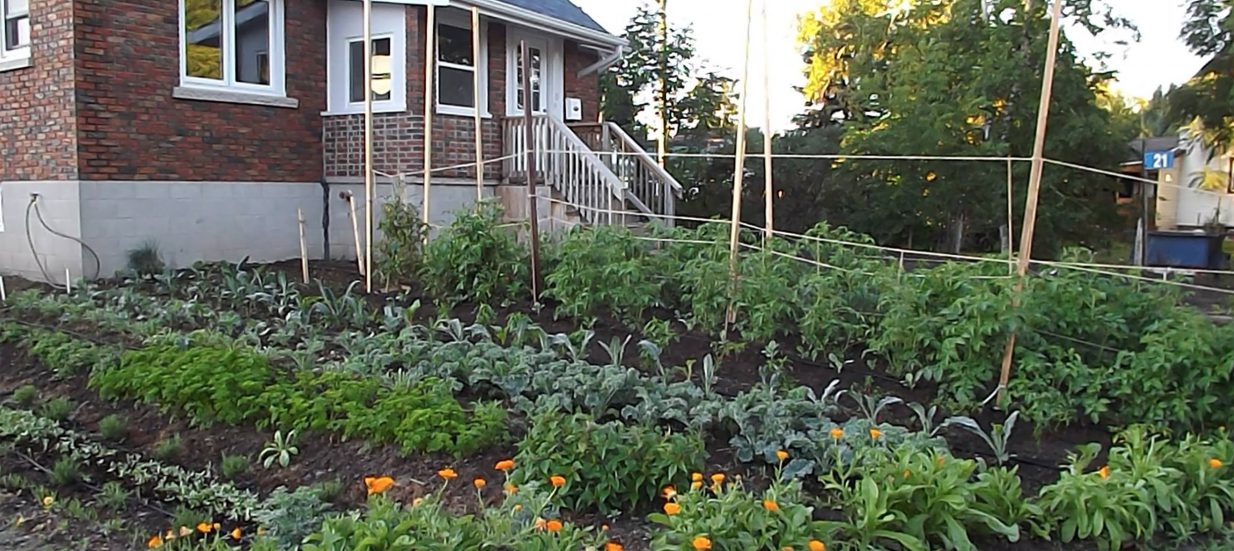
1159, 59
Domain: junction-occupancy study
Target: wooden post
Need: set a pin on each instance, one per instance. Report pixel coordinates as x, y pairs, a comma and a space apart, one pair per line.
430, 66
532, 199
478, 85
369, 192
1034, 189
1010, 218
355, 230
662, 93
4, 295
734, 237
68, 282
304, 259
768, 187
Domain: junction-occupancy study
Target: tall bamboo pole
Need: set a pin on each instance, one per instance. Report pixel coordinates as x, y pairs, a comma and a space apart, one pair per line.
739, 174
662, 93
477, 84
1034, 190
768, 191
529, 108
368, 145
430, 70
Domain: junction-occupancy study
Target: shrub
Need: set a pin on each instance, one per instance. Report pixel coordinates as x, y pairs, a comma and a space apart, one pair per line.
291, 516
608, 465
475, 260
26, 395
114, 427
399, 254
602, 269
57, 409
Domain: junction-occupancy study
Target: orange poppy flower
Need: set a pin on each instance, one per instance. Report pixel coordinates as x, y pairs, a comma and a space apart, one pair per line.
378, 484
236, 534
771, 505
671, 509
511, 489
1104, 472
669, 492
837, 433
554, 525
505, 465
613, 546
781, 455
557, 480
816, 545
876, 434
204, 527
696, 484
696, 477
155, 542
717, 478
701, 543
1215, 463
447, 474
479, 483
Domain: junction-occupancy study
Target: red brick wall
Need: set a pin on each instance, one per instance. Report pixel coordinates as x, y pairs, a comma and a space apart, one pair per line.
586, 88
37, 128
131, 128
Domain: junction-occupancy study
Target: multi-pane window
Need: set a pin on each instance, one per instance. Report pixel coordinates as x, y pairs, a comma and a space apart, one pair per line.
537, 79
15, 31
236, 43
383, 76
456, 67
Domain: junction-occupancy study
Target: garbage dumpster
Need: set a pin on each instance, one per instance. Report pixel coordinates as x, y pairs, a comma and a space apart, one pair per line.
1181, 249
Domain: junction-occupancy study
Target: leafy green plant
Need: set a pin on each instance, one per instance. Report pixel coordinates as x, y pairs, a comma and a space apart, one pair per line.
998, 439
232, 466
58, 409
290, 516
281, 450
113, 496
145, 260
26, 396
65, 472
603, 269
169, 448
114, 427
400, 252
732, 518
608, 465
474, 259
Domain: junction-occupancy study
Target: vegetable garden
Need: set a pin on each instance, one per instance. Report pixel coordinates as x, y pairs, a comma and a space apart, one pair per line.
847, 407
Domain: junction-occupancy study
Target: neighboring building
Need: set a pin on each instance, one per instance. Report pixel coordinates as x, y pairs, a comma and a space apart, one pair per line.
1196, 192
204, 125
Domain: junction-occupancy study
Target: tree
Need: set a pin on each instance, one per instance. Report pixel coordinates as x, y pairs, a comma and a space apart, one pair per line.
936, 78
1208, 98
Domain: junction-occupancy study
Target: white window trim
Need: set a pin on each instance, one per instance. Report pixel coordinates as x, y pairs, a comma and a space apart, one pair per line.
462, 20
377, 104
551, 67
16, 58
343, 27
277, 54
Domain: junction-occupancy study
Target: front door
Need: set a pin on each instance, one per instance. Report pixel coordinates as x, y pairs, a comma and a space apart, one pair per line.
547, 87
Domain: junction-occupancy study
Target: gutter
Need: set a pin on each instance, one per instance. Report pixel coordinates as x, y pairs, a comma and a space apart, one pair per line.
530, 19
604, 63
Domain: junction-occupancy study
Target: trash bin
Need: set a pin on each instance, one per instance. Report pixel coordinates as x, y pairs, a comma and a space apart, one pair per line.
1198, 250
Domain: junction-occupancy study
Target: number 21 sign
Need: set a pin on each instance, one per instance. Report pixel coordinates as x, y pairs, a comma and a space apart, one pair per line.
1158, 160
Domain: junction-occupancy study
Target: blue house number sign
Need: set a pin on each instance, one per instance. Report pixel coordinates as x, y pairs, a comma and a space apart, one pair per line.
1158, 160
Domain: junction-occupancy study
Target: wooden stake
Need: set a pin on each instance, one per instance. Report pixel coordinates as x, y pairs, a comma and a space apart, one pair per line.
477, 84
532, 200
1010, 219
4, 295
355, 230
768, 135
368, 145
68, 281
738, 177
304, 259
1034, 189
430, 66
662, 93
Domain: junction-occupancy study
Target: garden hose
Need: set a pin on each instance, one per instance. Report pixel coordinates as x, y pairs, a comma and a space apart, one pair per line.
34, 205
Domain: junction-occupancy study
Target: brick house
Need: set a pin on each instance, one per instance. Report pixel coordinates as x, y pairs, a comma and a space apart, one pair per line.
202, 126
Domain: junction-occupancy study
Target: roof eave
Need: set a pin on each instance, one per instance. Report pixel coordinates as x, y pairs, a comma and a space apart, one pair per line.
528, 18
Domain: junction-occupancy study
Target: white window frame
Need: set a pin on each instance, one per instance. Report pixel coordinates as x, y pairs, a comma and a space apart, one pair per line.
344, 25
553, 85
18, 57
229, 82
347, 62
460, 19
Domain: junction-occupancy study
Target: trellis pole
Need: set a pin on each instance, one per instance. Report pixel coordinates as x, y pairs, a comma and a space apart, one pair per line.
368, 145
768, 187
430, 65
476, 85
662, 93
734, 237
1034, 189
529, 107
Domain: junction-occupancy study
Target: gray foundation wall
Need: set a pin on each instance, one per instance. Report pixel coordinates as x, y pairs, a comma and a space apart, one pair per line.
59, 203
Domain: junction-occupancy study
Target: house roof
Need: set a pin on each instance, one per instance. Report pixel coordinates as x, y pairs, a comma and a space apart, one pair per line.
1159, 143
563, 10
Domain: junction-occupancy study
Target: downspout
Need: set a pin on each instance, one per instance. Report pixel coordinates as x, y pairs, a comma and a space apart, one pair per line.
325, 219
604, 63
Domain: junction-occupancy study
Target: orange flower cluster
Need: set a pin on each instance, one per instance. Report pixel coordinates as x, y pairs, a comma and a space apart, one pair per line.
159, 540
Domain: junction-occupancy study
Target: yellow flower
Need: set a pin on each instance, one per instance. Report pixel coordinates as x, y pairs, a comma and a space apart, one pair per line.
671, 509
669, 492
48, 501
1104, 472
717, 478
554, 525
697, 484
447, 474
378, 484
816, 545
155, 542
417, 502
781, 455
518, 507
1215, 463
479, 483
931, 176
837, 433
236, 534
557, 480
876, 434
505, 465
701, 543
696, 477
771, 505
204, 527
